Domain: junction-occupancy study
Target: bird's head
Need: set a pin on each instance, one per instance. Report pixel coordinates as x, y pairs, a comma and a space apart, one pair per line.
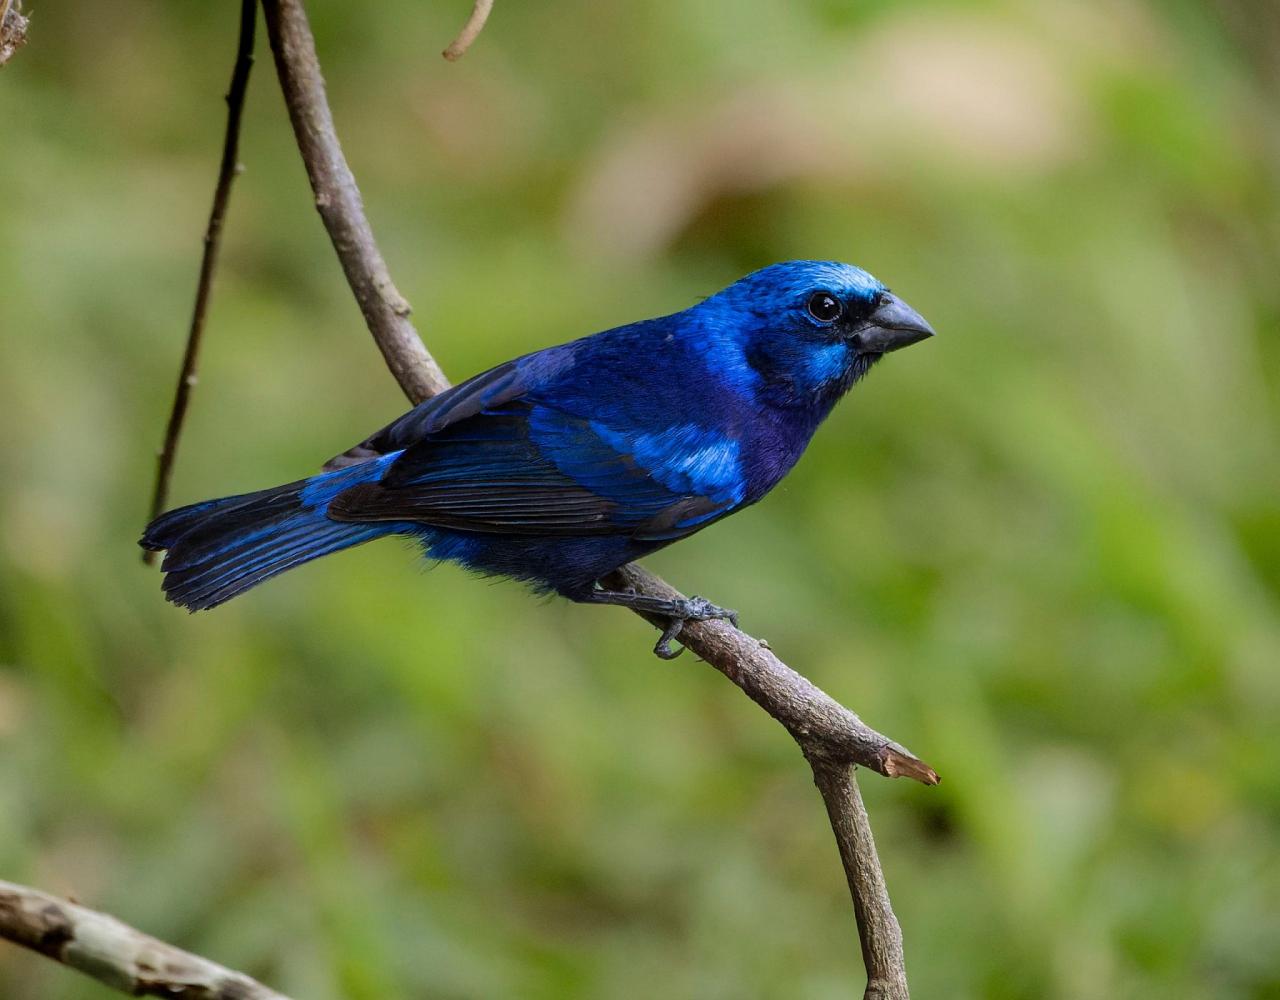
807, 330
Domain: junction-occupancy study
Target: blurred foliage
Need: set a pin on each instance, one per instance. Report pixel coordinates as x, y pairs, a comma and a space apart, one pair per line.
1043, 550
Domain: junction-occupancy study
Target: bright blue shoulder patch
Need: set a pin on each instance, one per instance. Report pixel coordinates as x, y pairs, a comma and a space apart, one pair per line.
686, 459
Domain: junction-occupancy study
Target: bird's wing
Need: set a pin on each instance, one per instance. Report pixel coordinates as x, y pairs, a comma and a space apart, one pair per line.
466, 399
523, 467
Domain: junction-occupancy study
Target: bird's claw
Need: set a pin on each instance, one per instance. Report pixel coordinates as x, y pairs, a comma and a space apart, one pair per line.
662, 649
692, 609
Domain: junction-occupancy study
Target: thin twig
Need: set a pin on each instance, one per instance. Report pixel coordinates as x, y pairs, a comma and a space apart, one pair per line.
114, 953
470, 31
386, 312
227, 170
832, 737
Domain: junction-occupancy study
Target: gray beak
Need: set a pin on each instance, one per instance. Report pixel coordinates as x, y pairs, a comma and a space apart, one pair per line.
894, 324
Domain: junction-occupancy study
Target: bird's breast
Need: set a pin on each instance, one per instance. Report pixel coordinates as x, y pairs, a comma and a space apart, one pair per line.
771, 447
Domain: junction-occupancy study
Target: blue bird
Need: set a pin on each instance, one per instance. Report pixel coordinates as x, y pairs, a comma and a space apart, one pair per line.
563, 465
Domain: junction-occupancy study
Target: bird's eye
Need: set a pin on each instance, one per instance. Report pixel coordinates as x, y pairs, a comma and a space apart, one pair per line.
824, 307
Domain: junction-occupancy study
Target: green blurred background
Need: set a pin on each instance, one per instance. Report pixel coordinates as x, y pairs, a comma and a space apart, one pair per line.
1042, 550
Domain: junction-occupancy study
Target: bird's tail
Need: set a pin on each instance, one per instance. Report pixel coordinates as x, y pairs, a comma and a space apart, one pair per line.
221, 548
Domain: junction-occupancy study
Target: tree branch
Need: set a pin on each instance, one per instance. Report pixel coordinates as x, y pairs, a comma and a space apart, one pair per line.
878, 930
385, 310
831, 737
825, 729
114, 953
470, 31
227, 170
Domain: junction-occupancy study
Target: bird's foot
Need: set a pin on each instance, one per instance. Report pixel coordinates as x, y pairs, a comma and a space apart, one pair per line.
691, 609
677, 612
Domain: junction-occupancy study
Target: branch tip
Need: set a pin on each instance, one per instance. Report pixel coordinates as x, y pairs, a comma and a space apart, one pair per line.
898, 763
470, 31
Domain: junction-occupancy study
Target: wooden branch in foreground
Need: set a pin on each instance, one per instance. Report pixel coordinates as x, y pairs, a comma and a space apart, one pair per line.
832, 737
114, 953
227, 170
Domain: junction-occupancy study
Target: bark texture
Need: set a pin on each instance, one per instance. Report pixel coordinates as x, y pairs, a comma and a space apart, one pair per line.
114, 953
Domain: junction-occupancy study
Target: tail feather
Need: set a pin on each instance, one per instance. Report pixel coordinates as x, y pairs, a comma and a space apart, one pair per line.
207, 530
221, 548
200, 588
200, 580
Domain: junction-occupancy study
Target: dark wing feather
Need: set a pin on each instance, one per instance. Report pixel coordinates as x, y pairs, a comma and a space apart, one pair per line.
487, 390
525, 469
532, 509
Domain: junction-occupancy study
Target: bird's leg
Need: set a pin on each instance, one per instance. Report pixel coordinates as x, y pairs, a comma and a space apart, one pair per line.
686, 609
